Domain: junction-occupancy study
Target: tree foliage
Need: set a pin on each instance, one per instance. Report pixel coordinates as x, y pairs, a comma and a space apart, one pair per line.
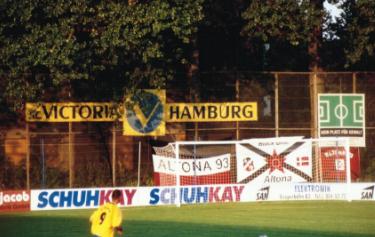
285, 20
45, 45
112, 46
357, 29
295, 23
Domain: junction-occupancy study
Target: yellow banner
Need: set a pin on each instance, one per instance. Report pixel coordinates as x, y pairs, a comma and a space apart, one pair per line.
147, 114
73, 112
145, 117
212, 112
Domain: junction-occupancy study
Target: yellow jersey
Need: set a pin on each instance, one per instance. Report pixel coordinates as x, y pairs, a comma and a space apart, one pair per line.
105, 219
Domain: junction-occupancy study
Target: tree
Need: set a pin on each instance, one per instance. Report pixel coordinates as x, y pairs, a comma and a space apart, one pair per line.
294, 23
220, 43
304, 26
45, 45
90, 50
356, 29
297, 23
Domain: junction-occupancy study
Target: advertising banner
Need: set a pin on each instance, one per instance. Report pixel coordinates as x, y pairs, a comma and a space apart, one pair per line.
14, 200
302, 191
333, 163
342, 115
58, 199
362, 191
212, 112
192, 167
313, 191
73, 112
274, 160
145, 113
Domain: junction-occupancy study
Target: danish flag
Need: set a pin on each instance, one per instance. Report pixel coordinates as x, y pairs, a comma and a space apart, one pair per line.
303, 161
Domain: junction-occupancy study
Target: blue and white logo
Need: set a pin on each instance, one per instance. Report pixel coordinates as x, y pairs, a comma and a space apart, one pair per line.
146, 115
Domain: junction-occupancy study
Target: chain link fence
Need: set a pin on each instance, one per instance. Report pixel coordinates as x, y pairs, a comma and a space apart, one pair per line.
59, 155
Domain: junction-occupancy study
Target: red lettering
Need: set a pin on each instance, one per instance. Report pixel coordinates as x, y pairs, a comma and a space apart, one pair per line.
238, 190
227, 194
105, 196
214, 194
129, 195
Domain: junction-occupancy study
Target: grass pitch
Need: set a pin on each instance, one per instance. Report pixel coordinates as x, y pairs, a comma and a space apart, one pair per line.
274, 219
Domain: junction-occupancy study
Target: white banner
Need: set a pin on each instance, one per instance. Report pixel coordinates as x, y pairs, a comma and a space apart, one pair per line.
192, 167
315, 191
84, 198
274, 160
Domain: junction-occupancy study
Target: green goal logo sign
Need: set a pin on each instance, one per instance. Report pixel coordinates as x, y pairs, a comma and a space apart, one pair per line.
341, 115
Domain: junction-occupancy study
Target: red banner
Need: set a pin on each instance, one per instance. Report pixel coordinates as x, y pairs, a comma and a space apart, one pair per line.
333, 163
14, 200
355, 163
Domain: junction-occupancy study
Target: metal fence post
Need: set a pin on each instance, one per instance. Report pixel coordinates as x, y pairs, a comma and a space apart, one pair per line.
71, 159
237, 99
139, 163
276, 105
114, 155
313, 98
43, 161
27, 156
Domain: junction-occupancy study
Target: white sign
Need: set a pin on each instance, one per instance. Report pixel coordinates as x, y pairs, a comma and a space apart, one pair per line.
86, 198
192, 167
274, 160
